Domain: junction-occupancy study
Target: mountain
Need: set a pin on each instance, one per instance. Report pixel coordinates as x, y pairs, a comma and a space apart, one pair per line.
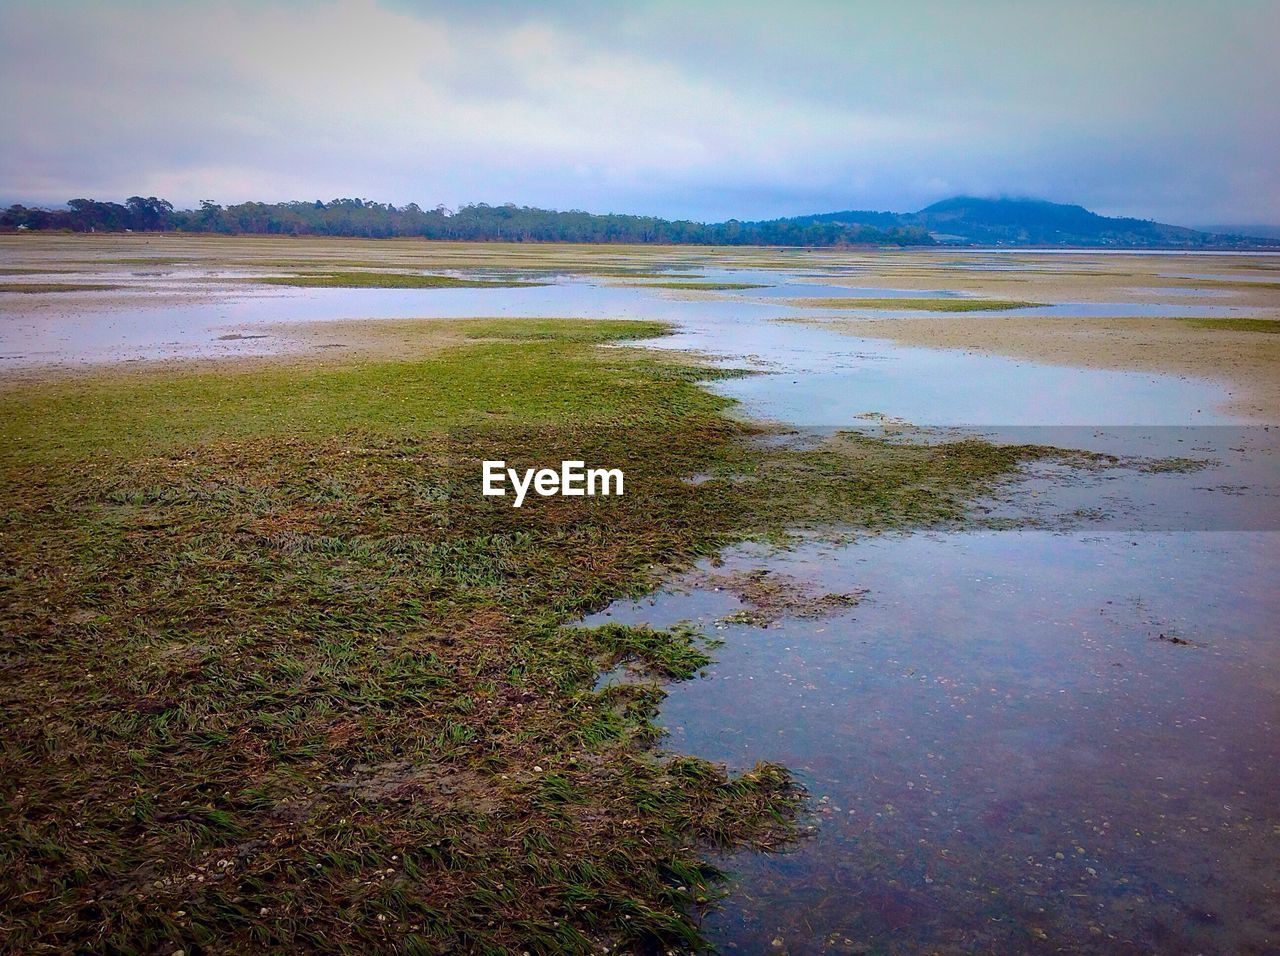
966, 220
1036, 222
977, 222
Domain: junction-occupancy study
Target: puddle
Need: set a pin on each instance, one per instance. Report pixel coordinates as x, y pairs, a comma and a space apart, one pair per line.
934, 387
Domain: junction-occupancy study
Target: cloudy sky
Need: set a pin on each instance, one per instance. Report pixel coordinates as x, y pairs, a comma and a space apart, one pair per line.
691, 108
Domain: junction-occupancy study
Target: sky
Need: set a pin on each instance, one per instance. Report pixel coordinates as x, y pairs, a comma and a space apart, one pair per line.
692, 109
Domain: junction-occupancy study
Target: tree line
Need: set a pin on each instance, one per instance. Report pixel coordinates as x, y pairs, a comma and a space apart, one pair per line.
364, 218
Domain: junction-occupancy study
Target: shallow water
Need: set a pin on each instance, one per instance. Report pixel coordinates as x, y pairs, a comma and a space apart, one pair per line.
933, 387
1003, 751
820, 377
999, 744
189, 314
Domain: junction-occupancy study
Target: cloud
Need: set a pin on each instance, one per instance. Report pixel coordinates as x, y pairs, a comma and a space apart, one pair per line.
706, 110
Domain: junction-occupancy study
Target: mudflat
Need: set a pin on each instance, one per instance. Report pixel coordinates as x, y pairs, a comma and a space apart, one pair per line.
273, 658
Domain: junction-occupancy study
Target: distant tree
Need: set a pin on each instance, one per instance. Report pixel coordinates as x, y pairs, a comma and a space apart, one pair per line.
149, 214
479, 222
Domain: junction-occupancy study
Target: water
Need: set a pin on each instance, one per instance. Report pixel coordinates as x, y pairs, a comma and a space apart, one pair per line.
999, 744
932, 387
1004, 747
1021, 738
827, 378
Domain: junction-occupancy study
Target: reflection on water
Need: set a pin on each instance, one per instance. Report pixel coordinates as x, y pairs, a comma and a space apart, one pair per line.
1006, 744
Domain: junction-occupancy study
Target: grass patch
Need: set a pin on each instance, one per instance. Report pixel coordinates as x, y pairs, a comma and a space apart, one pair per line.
389, 280
277, 676
33, 288
1235, 325
484, 382
916, 305
562, 330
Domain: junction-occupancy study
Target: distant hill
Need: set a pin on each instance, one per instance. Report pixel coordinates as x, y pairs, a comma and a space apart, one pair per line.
1038, 223
964, 220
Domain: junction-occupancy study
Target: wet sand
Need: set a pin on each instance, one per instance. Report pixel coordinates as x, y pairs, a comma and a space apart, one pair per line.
1248, 362
1245, 281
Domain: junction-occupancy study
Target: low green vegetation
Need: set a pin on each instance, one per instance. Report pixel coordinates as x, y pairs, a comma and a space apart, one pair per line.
388, 280
1235, 325
560, 330
33, 288
277, 676
938, 304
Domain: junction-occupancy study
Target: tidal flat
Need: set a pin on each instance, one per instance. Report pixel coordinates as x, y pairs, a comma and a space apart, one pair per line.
276, 674
269, 649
